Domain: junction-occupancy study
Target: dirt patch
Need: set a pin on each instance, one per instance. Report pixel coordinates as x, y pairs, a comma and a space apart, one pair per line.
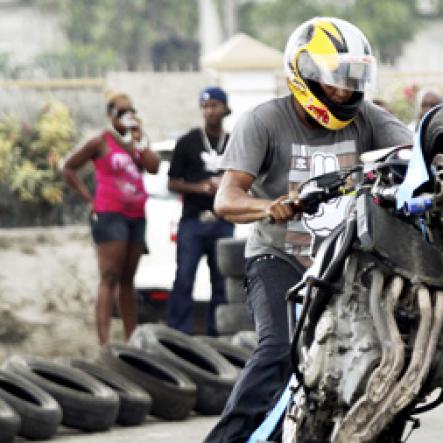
48, 282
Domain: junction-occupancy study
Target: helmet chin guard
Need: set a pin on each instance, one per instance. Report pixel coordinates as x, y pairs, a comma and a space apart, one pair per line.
335, 53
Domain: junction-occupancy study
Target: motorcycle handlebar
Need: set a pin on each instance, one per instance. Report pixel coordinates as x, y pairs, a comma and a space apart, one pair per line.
327, 187
307, 203
294, 203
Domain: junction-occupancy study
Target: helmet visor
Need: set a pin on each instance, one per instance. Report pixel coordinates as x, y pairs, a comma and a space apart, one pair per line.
346, 71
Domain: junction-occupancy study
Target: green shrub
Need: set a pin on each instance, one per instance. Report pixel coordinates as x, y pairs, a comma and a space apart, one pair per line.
30, 156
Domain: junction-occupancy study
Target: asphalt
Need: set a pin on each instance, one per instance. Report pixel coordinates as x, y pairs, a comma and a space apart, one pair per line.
431, 430
192, 430
195, 428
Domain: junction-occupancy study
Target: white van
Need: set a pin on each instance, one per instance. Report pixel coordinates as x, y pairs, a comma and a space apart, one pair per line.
163, 209
156, 271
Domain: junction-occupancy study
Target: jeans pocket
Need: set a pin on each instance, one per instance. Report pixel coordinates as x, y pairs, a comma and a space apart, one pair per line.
252, 283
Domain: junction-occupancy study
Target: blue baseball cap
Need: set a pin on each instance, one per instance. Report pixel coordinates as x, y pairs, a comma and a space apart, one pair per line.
214, 93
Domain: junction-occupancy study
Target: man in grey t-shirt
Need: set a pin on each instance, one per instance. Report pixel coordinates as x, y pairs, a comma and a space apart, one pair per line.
322, 126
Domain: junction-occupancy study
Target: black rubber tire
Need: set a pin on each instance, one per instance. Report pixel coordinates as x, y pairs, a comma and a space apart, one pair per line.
39, 412
86, 403
9, 422
235, 290
173, 393
246, 340
234, 354
232, 318
212, 373
231, 257
135, 403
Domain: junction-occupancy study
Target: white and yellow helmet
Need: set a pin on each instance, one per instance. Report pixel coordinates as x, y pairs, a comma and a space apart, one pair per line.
333, 52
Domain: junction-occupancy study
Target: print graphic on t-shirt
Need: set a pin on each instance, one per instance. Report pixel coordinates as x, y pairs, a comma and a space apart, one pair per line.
301, 161
126, 188
307, 162
211, 161
121, 161
329, 214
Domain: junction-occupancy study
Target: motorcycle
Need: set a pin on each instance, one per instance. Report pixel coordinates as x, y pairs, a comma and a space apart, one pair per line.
367, 347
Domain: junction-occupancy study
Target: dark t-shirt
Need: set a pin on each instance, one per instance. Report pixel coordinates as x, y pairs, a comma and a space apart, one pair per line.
193, 161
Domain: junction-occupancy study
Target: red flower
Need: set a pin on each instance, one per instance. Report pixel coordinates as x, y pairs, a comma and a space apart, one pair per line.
410, 91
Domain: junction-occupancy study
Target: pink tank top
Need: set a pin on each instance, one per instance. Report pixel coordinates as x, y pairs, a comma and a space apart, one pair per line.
119, 182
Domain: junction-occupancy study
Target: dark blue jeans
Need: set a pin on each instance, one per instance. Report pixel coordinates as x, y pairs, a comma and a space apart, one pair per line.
195, 239
267, 371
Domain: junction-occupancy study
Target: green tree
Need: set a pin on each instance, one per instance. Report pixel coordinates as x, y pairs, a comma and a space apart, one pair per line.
387, 24
126, 32
119, 34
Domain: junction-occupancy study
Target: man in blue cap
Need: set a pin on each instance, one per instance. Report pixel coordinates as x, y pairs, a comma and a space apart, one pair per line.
194, 173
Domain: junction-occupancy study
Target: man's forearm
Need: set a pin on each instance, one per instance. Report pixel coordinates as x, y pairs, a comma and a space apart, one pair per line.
234, 203
237, 206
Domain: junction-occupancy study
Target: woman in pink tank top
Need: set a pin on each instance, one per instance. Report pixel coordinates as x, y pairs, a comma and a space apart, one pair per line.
120, 156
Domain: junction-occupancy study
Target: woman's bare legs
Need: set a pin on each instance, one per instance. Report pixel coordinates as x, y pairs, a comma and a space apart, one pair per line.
127, 302
111, 260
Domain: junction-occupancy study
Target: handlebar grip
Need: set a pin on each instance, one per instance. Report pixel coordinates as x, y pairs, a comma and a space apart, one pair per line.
295, 205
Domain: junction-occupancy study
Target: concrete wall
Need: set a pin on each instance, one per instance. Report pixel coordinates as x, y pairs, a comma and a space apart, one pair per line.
247, 89
167, 101
85, 99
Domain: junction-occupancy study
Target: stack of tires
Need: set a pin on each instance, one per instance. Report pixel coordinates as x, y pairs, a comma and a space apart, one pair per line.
234, 316
82, 395
211, 373
161, 372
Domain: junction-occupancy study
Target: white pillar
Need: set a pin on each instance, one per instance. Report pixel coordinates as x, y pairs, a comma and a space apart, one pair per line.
210, 29
230, 17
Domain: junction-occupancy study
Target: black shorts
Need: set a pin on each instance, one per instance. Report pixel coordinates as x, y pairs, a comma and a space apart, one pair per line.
112, 226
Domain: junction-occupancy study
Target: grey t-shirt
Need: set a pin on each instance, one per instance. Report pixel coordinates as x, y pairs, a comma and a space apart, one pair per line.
273, 145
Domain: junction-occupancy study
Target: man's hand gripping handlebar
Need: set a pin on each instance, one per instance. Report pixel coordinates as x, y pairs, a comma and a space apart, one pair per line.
282, 209
321, 189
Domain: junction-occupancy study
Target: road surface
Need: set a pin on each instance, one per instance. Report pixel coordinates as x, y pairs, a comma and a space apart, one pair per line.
194, 429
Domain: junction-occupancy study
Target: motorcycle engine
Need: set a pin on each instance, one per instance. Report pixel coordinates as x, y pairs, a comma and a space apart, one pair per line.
345, 349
